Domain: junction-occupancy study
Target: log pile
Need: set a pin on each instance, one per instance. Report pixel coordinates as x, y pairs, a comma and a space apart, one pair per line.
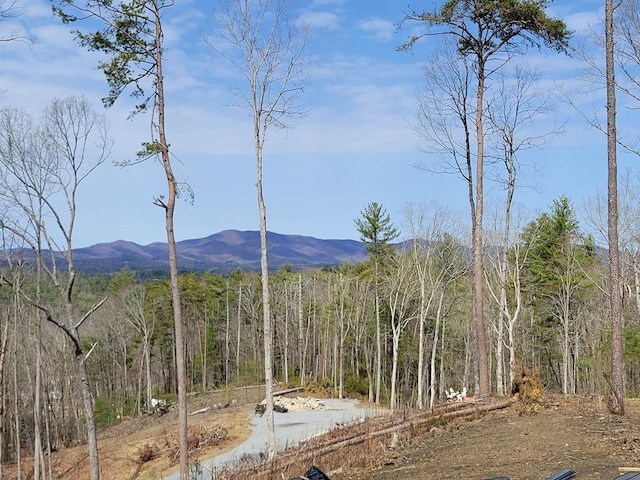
300, 404
286, 404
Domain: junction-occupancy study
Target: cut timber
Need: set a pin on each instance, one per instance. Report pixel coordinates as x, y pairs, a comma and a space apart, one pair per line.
448, 411
628, 469
288, 390
202, 410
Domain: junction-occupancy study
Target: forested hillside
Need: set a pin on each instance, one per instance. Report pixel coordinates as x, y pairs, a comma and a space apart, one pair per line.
324, 329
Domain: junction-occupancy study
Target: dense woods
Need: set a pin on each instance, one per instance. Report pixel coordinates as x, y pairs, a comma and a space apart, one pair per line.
443, 306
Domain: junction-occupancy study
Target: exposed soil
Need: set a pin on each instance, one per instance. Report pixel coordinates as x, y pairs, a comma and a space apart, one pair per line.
516, 442
520, 443
145, 447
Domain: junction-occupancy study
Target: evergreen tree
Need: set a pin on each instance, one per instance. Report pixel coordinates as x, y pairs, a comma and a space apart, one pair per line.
555, 277
376, 231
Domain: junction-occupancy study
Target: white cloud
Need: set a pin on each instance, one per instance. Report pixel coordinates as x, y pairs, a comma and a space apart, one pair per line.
582, 22
382, 29
320, 19
328, 2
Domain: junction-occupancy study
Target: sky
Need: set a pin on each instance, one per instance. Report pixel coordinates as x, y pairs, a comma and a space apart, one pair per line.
356, 145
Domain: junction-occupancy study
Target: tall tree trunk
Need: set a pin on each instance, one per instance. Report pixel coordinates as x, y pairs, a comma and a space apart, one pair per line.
421, 370
285, 353
617, 346
301, 336
378, 337
636, 277
87, 402
394, 371
434, 349
16, 406
169, 209
238, 333
38, 458
478, 248
3, 396
227, 340
264, 268
421, 347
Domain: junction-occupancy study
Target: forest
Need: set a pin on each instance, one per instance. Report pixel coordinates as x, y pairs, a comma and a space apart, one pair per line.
462, 304
555, 319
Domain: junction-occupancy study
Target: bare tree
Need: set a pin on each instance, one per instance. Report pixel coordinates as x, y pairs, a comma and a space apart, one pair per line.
438, 264
595, 212
486, 36
4, 337
11, 9
265, 45
512, 115
620, 50
401, 289
131, 300
42, 169
616, 403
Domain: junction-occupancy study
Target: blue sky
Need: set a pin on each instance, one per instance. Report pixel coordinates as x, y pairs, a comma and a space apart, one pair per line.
355, 146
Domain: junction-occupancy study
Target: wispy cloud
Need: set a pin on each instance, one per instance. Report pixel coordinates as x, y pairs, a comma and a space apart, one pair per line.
320, 19
379, 28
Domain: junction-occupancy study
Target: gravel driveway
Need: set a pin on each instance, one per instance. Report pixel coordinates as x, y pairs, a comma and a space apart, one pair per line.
291, 428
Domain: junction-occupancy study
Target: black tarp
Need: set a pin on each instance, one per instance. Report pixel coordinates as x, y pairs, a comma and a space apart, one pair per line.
314, 473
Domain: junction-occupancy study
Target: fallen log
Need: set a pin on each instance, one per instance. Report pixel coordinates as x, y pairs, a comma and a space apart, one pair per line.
202, 410
288, 390
289, 458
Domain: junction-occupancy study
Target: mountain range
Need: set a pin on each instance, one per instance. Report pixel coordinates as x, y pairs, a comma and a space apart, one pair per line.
221, 252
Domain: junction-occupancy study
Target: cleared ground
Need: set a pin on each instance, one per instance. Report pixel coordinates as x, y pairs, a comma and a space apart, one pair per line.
520, 443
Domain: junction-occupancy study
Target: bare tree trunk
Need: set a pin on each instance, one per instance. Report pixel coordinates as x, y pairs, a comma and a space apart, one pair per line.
369, 366
301, 336
421, 347
478, 247
38, 458
268, 336
16, 406
616, 405
378, 339
434, 348
285, 353
3, 396
205, 348
87, 402
636, 276
238, 333
227, 340
147, 358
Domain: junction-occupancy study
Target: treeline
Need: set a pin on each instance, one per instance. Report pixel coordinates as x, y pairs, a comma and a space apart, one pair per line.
546, 306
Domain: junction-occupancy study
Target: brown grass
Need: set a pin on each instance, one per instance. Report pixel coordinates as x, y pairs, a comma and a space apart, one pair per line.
143, 447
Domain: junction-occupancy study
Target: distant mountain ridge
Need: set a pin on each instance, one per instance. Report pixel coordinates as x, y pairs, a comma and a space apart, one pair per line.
221, 252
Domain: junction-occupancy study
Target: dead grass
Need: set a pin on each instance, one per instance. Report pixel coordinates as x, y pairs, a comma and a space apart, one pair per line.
144, 447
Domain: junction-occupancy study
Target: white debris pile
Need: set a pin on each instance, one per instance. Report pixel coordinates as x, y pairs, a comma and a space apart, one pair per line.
456, 396
300, 404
